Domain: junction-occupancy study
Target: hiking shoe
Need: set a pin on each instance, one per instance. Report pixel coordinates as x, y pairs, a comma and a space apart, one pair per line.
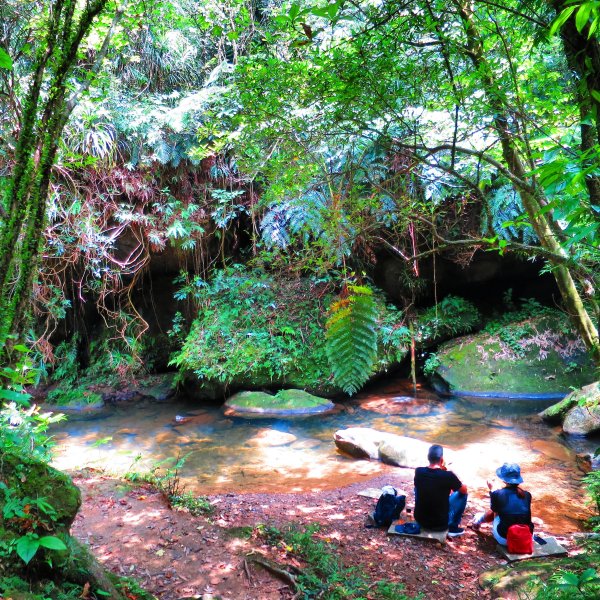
455, 531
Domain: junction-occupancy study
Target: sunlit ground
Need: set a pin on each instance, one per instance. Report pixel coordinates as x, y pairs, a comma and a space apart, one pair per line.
226, 455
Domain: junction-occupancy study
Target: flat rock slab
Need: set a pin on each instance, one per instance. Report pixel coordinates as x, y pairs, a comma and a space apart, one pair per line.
370, 493
551, 548
426, 534
376, 492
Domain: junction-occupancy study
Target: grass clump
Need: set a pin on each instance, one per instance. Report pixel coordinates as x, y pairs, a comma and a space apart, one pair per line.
165, 476
324, 575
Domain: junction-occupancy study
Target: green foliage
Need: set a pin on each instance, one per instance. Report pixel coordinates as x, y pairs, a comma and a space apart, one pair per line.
28, 515
73, 396
254, 329
195, 505
512, 326
449, 317
66, 369
351, 336
27, 546
165, 476
324, 575
506, 216
565, 585
5, 60
431, 365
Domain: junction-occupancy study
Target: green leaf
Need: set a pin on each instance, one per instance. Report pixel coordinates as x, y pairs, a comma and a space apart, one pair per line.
5, 60
582, 16
562, 18
332, 10
595, 95
294, 11
12, 396
52, 543
569, 579
27, 546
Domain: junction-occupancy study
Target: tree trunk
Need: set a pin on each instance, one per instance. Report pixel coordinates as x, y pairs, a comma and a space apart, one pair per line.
531, 195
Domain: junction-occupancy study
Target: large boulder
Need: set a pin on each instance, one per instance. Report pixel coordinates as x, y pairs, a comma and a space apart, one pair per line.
398, 450
583, 416
539, 357
37, 500
582, 420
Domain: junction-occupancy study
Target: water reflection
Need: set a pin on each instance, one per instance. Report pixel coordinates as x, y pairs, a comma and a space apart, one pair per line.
235, 455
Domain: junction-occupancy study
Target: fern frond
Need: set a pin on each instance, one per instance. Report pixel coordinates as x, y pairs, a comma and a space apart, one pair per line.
351, 338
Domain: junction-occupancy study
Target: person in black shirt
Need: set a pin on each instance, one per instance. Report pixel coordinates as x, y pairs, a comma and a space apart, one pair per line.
508, 506
435, 507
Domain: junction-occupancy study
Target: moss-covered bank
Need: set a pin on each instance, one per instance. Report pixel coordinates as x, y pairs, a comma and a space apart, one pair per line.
39, 560
254, 330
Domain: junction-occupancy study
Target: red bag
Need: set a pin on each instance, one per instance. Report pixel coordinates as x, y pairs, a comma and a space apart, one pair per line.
519, 539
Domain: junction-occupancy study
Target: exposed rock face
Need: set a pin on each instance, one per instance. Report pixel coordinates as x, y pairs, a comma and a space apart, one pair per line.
582, 420
579, 411
399, 450
537, 357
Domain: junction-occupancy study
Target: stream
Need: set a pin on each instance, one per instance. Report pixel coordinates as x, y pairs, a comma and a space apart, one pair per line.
226, 455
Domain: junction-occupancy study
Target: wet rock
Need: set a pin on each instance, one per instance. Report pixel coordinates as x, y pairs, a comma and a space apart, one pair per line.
404, 452
553, 450
306, 444
360, 442
579, 411
582, 420
537, 357
271, 437
584, 462
363, 442
284, 403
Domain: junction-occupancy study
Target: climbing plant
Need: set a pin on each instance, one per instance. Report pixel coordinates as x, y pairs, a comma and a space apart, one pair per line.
43, 117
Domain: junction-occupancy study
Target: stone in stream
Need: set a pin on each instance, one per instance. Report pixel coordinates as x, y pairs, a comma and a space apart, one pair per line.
579, 411
271, 437
553, 450
284, 403
399, 450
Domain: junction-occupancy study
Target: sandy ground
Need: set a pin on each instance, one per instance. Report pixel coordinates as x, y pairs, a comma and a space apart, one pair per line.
133, 532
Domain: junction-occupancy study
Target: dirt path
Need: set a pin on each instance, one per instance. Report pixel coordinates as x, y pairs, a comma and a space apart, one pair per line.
174, 555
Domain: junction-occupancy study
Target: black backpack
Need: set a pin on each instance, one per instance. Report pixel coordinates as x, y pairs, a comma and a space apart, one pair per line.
388, 508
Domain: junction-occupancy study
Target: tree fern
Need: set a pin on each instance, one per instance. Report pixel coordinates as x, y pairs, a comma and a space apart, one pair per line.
351, 338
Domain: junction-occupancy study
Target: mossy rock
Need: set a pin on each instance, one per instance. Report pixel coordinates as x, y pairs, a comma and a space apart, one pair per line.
34, 479
284, 403
588, 396
541, 357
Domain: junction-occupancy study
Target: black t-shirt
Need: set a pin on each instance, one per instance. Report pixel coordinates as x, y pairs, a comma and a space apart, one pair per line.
432, 488
511, 509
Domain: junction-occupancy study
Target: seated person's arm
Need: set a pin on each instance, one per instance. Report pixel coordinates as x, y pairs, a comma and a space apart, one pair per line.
463, 489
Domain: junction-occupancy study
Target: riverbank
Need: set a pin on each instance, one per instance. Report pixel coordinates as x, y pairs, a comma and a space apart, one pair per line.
174, 555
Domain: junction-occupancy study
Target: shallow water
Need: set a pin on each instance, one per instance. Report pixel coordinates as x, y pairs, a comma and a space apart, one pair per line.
270, 455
